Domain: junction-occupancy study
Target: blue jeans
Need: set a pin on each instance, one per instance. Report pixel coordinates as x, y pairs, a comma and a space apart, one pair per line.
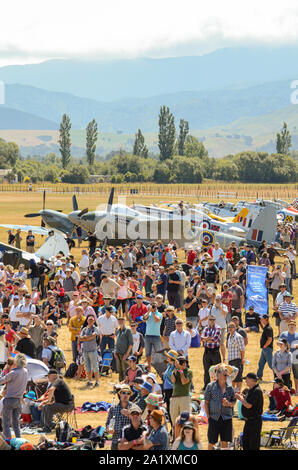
11, 415
266, 356
36, 413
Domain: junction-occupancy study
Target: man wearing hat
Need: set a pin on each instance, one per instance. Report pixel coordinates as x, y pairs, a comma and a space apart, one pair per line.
138, 309
287, 311
266, 345
25, 345
158, 438
124, 344
144, 390
57, 399
118, 415
252, 409
252, 320
132, 433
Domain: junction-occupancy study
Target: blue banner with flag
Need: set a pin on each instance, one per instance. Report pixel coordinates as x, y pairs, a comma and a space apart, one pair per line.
256, 291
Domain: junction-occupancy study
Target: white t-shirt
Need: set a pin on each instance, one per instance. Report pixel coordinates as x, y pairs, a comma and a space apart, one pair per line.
3, 350
220, 318
13, 312
107, 326
30, 308
204, 312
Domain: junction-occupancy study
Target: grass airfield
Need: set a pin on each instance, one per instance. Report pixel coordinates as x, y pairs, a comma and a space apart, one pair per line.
13, 207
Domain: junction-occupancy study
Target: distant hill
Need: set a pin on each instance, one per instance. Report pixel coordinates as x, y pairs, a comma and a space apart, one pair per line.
14, 119
254, 133
203, 109
109, 80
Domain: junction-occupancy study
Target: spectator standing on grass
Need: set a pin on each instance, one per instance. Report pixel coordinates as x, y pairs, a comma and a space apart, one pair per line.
252, 409
88, 337
211, 342
16, 384
266, 345
153, 319
291, 336
123, 348
219, 403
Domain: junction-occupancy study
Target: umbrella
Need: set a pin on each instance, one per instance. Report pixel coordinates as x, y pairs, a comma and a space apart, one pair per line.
36, 369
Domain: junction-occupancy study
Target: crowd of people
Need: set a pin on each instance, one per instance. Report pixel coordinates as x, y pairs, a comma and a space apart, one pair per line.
148, 308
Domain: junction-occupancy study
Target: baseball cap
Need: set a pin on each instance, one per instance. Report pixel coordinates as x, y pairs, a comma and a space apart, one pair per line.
184, 417
218, 297
132, 358
147, 386
251, 375
135, 409
265, 316
140, 296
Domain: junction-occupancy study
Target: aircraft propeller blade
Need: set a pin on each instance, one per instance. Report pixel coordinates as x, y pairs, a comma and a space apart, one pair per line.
32, 215
84, 211
44, 200
110, 201
42, 223
75, 203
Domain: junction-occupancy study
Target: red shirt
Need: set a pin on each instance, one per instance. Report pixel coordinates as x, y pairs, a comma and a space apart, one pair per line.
227, 299
282, 397
191, 256
9, 338
135, 311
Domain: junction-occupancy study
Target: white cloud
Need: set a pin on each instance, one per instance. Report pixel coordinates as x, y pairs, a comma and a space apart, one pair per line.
35, 30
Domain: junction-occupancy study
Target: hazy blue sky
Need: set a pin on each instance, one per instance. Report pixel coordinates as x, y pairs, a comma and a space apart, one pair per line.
33, 30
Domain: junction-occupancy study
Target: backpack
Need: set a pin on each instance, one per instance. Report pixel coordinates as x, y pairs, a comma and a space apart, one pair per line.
57, 359
71, 371
64, 432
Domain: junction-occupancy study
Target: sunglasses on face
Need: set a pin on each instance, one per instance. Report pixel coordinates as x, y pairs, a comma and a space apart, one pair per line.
124, 393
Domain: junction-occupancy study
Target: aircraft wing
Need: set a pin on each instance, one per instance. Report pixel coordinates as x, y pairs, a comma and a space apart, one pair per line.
24, 228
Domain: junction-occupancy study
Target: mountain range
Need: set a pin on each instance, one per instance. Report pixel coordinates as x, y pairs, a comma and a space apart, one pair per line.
223, 95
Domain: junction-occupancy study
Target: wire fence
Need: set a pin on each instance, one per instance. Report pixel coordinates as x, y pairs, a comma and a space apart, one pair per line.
205, 190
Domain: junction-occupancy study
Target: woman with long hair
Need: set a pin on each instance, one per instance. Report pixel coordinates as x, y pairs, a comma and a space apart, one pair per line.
189, 438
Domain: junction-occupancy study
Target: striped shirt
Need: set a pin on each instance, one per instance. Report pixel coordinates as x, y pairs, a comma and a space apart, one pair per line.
288, 310
281, 361
235, 346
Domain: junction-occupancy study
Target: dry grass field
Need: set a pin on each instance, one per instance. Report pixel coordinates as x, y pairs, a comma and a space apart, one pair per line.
12, 210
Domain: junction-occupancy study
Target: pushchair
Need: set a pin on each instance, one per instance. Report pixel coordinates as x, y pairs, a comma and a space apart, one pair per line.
105, 365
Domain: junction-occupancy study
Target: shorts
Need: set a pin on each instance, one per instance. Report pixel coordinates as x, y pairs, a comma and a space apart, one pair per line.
222, 335
221, 428
237, 363
91, 361
152, 342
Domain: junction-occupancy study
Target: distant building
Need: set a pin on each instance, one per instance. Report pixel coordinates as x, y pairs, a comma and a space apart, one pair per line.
4, 176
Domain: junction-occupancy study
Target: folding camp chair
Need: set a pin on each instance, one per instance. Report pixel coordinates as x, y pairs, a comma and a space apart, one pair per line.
68, 416
284, 437
105, 366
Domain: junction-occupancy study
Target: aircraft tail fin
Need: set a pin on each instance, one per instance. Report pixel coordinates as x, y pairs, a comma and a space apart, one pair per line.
264, 226
52, 246
242, 215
